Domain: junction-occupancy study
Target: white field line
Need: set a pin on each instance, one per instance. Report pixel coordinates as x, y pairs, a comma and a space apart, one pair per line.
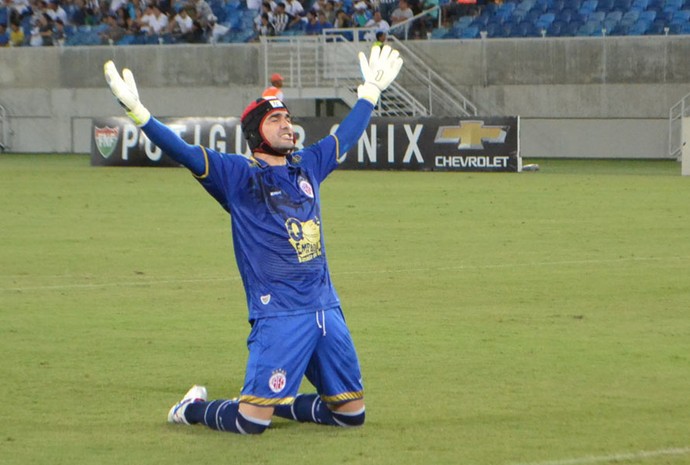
181, 280
623, 457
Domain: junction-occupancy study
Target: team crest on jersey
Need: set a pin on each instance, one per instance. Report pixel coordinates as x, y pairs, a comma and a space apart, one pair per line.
305, 238
277, 381
265, 299
106, 140
306, 188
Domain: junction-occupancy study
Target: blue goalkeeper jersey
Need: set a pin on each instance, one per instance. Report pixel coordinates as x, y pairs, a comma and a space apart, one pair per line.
276, 227
276, 217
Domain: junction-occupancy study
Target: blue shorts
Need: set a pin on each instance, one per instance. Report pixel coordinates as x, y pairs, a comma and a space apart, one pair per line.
282, 350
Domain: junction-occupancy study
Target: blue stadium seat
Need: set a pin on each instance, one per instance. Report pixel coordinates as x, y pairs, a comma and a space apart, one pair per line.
545, 21
657, 28
680, 17
556, 29
507, 29
640, 5
639, 28
505, 10
612, 19
557, 6
532, 16
128, 39
572, 27
566, 15
526, 29
493, 29
524, 6
605, 6
648, 16
471, 32
622, 5
590, 28
439, 33
629, 17
598, 16
588, 6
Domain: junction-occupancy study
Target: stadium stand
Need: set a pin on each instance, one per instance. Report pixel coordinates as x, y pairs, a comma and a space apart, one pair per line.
502, 19
581, 18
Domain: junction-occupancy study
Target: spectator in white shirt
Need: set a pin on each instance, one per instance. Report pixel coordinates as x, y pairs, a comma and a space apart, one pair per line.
159, 22
181, 24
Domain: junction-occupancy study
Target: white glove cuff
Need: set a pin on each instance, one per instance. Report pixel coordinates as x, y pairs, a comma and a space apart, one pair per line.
139, 114
370, 92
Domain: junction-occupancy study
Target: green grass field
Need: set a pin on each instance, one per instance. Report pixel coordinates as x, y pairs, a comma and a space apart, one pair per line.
501, 319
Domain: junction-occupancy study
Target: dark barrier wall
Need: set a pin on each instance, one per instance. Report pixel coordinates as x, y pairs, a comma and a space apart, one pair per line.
426, 144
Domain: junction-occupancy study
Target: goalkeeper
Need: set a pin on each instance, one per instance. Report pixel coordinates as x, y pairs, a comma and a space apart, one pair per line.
297, 325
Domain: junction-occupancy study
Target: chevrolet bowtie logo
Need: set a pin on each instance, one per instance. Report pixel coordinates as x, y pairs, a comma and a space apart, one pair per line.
470, 135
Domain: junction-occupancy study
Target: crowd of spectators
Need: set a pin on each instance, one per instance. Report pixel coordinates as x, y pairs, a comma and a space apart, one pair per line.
51, 22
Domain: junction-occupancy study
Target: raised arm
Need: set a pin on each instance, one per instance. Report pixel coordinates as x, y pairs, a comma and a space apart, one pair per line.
124, 88
379, 71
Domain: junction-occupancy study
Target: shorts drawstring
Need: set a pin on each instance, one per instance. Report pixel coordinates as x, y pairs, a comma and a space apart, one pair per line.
321, 324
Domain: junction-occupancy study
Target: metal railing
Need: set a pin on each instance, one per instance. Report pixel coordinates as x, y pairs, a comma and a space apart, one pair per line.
326, 66
675, 126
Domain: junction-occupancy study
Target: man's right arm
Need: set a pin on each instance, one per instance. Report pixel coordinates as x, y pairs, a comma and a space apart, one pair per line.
124, 89
190, 156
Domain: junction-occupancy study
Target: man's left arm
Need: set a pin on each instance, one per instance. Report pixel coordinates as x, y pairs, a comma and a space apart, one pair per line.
379, 71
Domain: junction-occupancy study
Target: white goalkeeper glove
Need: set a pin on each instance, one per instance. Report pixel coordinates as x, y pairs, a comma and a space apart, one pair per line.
125, 91
382, 68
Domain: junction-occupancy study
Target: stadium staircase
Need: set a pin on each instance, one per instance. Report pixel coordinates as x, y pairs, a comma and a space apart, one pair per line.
326, 67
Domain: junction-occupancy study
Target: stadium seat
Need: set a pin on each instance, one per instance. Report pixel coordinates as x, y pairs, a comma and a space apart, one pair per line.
545, 20
470, 32
493, 29
505, 10
612, 19
589, 28
639, 28
525, 29
640, 5
572, 27
680, 17
566, 15
622, 5
128, 39
605, 6
557, 6
556, 29
629, 17
598, 16
507, 29
588, 6
648, 16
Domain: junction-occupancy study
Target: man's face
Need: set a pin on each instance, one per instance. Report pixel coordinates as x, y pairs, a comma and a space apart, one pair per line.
277, 131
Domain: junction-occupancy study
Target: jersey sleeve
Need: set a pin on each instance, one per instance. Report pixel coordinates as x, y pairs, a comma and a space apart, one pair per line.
223, 175
190, 156
325, 155
220, 174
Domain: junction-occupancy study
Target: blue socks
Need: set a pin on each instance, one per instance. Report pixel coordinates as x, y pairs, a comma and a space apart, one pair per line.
310, 408
223, 415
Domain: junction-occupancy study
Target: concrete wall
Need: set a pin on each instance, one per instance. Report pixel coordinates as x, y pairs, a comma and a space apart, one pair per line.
578, 97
